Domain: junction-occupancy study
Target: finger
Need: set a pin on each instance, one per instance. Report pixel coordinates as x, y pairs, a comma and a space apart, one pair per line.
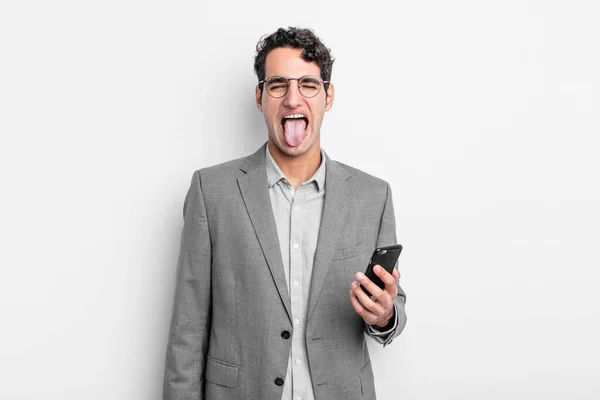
372, 306
385, 276
369, 284
396, 275
360, 310
390, 283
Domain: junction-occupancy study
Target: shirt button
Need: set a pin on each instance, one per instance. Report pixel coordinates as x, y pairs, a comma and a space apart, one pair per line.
297, 321
296, 283
295, 245
279, 381
285, 334
298, 361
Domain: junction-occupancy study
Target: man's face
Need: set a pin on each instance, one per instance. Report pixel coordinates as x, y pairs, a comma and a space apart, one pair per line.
293, 136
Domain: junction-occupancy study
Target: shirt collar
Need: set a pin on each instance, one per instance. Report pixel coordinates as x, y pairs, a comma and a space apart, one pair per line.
274, 173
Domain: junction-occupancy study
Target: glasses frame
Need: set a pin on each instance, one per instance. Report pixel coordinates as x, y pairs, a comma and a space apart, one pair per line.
321, 85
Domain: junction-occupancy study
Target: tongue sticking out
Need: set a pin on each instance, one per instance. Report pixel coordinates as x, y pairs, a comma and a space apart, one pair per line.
294, 131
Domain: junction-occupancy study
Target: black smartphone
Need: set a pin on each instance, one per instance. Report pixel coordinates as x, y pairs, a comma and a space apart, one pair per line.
386, 257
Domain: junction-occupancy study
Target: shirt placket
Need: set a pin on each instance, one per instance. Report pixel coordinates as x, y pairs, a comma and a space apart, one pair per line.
296, 290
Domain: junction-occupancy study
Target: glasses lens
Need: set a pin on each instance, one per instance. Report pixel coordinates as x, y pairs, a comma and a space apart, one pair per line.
309, 86
277, 86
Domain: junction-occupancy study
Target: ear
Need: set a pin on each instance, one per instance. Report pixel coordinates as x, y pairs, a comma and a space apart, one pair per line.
330, 97
258, 98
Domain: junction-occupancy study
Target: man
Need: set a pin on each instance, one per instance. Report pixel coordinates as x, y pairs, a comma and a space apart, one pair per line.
266, 306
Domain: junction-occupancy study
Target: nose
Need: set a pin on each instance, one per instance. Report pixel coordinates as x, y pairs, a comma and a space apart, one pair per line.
293, 98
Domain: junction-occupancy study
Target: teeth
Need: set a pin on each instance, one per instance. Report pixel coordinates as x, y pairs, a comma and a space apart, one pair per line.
294, 116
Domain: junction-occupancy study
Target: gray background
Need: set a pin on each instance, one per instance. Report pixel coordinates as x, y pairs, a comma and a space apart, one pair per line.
483, 116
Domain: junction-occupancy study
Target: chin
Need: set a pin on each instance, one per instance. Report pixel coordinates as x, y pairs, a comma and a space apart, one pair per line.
296, 151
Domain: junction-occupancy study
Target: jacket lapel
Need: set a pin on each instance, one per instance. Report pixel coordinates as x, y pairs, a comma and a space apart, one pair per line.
335, 208
254, 188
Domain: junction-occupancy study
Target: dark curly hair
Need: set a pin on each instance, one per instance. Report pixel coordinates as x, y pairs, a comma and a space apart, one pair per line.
294, 38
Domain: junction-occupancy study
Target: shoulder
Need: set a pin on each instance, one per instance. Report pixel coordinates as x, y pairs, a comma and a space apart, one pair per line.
361, 179
216, 183
220, 172
230, 170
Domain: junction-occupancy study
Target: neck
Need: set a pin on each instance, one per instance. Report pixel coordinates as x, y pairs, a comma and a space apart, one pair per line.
300, 168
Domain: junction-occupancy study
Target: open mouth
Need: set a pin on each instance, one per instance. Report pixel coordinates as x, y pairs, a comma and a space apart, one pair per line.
294, 128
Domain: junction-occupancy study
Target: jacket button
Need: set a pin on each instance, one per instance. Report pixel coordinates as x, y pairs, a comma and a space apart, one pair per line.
278, 381
285, 334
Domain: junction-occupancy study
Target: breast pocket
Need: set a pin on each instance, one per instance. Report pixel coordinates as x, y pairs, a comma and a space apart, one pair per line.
349, 252
346, 262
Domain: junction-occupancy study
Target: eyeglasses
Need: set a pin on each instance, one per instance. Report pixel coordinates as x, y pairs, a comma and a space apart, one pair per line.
278, 86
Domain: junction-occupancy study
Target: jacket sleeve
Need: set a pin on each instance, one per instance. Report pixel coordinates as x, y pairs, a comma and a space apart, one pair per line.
190, 321
387, 237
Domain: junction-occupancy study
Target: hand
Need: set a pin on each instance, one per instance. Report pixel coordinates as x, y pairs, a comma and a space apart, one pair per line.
378, 309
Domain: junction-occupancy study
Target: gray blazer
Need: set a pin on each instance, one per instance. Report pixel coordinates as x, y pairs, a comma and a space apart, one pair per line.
232, 308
